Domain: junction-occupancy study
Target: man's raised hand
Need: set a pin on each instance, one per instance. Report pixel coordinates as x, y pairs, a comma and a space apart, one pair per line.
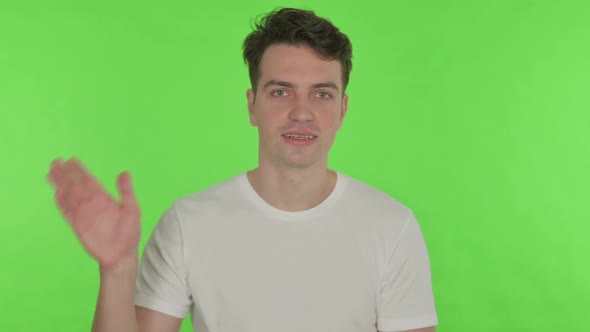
108, 230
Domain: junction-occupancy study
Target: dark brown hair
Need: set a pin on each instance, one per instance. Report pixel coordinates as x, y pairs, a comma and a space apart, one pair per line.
301, 28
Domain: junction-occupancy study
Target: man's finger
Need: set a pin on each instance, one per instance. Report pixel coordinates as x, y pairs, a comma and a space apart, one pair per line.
64, 174
126, 191
55, 172
65, 204
74, 171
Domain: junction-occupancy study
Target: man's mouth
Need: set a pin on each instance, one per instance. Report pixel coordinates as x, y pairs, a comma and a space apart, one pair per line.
301, 137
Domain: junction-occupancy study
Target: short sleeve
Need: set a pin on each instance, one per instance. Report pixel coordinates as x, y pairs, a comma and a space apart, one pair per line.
406, 300
161, 283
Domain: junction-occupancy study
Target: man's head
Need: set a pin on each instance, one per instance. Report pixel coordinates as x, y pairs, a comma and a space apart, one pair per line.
299, 67
299, 28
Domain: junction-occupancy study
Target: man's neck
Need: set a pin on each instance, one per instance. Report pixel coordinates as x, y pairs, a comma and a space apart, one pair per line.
292, 190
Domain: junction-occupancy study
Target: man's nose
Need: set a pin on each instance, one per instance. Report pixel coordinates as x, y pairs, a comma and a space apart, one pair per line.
302, 109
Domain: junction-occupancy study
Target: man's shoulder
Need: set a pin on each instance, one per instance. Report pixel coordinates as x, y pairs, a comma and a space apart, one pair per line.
365, 191
373, 210
363, 195
216, 196
226, 186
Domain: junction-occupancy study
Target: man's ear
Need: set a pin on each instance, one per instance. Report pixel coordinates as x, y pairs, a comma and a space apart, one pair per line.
343, 109
251, 98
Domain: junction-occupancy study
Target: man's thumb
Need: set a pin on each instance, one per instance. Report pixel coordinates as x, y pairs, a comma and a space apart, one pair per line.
126, 190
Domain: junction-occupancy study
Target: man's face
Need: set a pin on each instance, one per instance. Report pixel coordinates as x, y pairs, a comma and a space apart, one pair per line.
297, 93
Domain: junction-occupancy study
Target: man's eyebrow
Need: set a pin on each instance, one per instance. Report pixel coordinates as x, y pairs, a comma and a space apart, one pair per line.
277, 82
328, 84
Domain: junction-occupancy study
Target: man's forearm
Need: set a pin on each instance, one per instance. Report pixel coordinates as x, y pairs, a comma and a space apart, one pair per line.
115, 308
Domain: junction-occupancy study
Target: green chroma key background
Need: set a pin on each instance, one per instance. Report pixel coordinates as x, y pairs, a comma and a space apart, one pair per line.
473, 113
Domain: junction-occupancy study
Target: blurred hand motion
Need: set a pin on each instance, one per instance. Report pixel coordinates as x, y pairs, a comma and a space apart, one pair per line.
108, 230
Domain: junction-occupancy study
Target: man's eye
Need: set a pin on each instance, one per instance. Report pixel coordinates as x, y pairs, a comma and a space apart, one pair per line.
279, 93
324, 95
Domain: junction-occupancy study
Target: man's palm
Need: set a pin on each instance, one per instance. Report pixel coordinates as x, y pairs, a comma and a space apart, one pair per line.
108, 230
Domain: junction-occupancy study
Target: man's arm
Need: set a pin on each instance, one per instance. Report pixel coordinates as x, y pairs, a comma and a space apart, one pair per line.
425, 329
153, 321
109, 231
406, 299
116, 309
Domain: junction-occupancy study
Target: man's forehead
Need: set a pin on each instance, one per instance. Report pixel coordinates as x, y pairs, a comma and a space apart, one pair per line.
298, 65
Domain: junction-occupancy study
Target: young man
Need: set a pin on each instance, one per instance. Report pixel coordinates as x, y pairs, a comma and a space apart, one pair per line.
288, 246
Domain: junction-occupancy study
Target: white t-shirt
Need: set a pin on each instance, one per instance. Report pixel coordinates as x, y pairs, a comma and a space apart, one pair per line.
357, 262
